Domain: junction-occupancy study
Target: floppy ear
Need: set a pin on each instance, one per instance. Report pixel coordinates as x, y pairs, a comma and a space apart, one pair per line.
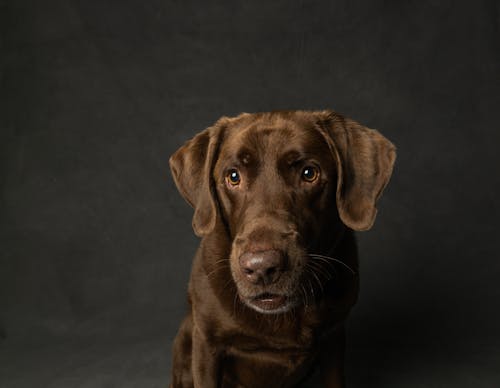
365, 160
191, 167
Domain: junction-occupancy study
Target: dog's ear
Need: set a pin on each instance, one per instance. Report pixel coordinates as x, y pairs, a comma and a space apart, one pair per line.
365, 160
191, 167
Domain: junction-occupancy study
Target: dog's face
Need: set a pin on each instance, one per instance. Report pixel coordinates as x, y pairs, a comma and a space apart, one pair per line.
276, 184
285, 185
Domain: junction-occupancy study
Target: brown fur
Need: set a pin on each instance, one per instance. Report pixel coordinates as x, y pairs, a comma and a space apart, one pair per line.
263, 311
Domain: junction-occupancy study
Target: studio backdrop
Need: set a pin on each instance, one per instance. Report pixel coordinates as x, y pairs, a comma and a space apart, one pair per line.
96, 243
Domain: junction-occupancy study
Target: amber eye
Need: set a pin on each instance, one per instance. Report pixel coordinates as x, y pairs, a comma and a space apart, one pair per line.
233, 177
310, 173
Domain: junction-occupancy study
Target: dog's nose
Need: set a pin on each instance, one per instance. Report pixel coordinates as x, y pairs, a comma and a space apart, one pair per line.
262, 267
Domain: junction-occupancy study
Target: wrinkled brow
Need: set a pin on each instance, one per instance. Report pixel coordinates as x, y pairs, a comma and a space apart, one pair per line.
258, 142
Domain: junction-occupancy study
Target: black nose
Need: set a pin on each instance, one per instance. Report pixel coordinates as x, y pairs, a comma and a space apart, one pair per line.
263, 267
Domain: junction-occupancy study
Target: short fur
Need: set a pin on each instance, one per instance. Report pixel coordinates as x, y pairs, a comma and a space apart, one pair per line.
276, 272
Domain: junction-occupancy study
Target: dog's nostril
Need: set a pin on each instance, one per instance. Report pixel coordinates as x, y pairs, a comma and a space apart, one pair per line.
262, 267
270, 271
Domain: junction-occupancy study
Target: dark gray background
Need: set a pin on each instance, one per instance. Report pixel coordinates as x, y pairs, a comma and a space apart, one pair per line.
96, 243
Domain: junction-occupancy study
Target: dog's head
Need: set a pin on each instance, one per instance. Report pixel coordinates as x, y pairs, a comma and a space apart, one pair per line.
284, 185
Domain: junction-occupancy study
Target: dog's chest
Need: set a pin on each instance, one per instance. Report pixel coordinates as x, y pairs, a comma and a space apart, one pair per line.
267, 360
265, 367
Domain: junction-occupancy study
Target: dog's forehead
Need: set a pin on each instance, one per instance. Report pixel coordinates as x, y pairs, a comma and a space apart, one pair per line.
273, 135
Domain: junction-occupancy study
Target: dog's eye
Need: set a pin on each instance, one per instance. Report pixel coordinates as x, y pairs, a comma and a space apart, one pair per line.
233, 177
310, 173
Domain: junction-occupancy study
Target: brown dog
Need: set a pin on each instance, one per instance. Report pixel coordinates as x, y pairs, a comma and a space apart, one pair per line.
276, 198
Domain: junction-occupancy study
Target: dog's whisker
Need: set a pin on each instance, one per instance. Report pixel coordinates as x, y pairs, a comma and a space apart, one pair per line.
330, 264
227, 283
235, 304
320, 269
212, 272
314, 255
304, 299
311, 270
218, 264
216, 269
312, 289
223, 260
322, 260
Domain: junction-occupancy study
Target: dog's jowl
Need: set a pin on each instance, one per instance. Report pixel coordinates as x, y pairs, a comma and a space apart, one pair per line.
276, 197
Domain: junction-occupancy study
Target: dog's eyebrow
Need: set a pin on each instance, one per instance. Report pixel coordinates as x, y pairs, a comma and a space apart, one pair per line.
242, 156
292, 156
245, 156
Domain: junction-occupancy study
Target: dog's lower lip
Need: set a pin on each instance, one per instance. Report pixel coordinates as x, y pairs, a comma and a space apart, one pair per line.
269, 301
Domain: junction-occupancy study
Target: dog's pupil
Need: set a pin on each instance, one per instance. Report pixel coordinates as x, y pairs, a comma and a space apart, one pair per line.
308, 173
234, 176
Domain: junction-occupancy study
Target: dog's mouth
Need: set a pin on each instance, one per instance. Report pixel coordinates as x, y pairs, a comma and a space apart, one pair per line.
269, 303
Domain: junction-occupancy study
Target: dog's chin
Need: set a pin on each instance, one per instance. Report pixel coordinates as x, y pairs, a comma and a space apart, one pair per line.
267, 303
